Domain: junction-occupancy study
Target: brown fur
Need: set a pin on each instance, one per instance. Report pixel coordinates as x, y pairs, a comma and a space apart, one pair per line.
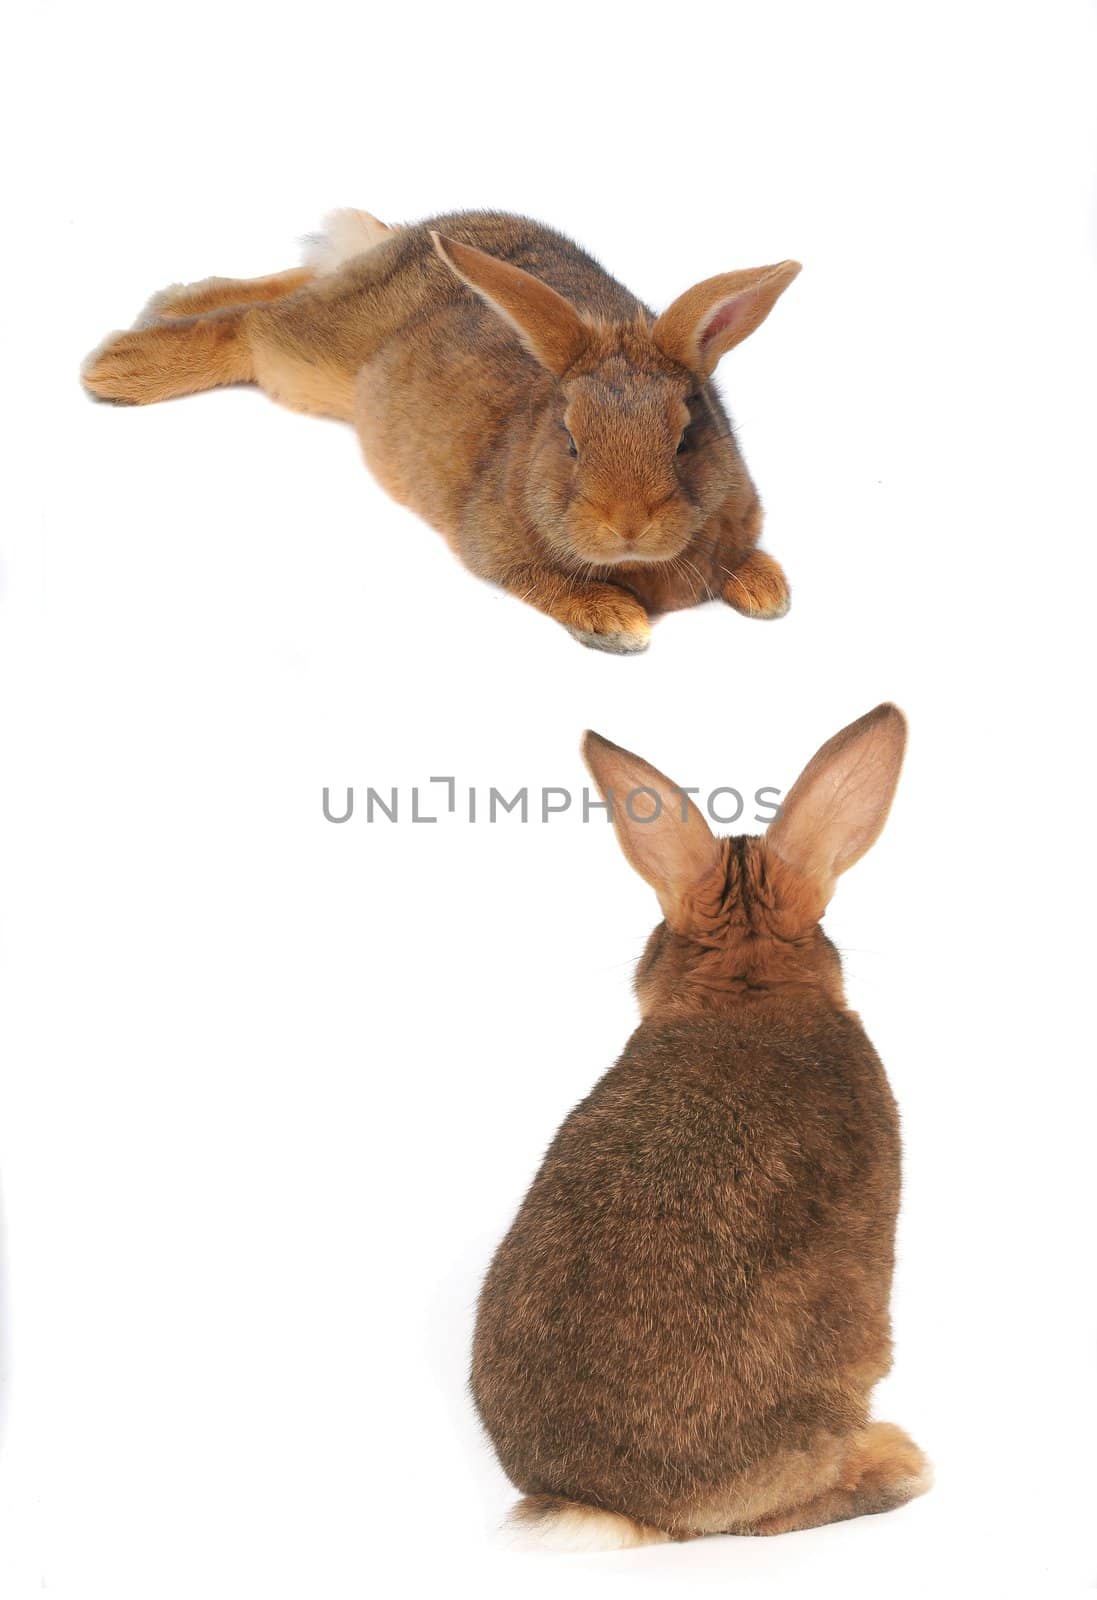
468, 351
686, 1320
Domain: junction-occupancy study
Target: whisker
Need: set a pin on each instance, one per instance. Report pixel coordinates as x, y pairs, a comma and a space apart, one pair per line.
697, 574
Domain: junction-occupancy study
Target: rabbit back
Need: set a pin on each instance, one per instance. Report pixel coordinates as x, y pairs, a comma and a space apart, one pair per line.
699, 1275
440, 377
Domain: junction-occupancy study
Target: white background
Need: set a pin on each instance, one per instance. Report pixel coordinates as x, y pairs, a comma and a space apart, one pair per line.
271, 1089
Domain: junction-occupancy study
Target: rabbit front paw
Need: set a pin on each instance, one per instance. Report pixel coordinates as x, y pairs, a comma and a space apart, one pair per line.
758, 587
611, 622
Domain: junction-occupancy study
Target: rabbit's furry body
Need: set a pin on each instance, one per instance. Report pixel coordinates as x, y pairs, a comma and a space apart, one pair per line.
682, 1329
471, 351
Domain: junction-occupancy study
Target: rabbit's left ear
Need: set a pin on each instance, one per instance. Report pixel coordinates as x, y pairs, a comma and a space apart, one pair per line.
661, 831
836, 808
548, 325
705, 322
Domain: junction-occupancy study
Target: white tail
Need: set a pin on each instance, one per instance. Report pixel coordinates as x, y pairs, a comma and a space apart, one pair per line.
345, 234
543, 1522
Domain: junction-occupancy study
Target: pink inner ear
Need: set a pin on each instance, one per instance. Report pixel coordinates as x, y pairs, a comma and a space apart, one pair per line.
722, 319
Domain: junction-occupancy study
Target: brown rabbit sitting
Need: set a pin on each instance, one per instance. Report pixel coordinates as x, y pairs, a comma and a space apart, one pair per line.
567, 443
680, 1333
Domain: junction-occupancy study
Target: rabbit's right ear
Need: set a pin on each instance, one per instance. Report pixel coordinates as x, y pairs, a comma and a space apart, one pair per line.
838, 805
548, 325
658, 827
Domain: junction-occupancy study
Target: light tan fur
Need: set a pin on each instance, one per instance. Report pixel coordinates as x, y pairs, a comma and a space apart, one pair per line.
217, 294
567, 443
345, 234
544, 1522
875, 1470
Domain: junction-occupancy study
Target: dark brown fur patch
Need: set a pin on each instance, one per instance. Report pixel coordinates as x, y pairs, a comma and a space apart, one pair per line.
687, 1318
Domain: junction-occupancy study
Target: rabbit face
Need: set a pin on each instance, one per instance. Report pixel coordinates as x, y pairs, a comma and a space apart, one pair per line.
628, 503
627, 499
634, 464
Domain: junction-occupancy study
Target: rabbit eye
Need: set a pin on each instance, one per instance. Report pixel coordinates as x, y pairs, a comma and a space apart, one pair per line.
573, 448
683, 443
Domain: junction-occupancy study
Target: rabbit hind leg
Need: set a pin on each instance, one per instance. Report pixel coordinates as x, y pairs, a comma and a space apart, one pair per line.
189, 337
880, 1470
307, 352
218, 294
301, 356
170, 358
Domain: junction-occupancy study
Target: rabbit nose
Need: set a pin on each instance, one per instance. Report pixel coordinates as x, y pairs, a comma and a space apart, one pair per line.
630, 524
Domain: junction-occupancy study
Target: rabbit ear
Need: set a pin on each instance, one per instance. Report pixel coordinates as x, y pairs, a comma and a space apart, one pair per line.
839, 803
661, 831
548, 325
704, 323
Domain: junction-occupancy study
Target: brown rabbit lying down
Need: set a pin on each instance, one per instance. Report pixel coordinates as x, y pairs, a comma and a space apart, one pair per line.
567, 443
680, 1333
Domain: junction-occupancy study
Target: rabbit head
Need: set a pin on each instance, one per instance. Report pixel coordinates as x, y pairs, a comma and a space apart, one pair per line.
741, 915
631, 453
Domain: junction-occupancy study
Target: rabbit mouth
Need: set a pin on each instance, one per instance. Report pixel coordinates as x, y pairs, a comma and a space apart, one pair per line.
647, 548
632, 532
630, 556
